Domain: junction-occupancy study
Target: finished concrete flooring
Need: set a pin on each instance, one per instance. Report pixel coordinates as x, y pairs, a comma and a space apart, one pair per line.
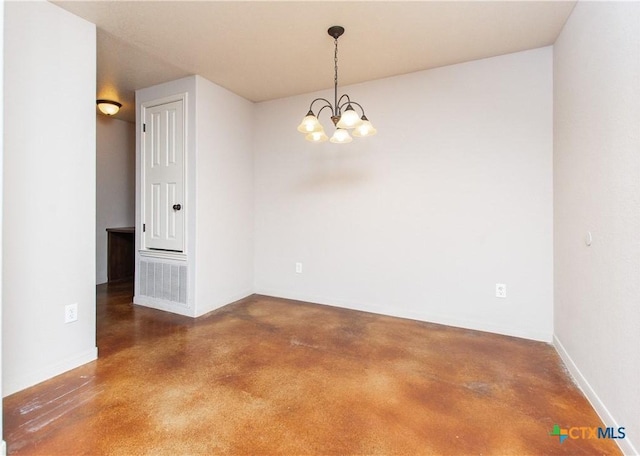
272, 376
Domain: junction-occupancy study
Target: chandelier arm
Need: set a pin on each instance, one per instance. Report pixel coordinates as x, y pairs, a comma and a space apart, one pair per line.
327, 105
339, 103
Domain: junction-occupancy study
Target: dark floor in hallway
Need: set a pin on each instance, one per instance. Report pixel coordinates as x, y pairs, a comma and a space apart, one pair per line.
272, 376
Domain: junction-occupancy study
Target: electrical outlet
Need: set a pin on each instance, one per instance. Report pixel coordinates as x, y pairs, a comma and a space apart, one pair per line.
71, 313
299, 268
501, 290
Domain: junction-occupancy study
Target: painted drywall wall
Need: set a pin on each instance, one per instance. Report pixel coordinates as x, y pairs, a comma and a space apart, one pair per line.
49, 171
115, 182
224, 198
597, 190
452, 196
3, 445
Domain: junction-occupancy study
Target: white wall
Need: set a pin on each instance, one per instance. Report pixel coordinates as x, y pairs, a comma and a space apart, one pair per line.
597, 189
224, 211
3, 446
49, 171
115, 182
452, 196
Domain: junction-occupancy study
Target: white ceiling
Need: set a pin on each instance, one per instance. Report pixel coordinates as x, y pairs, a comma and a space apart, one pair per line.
263, 50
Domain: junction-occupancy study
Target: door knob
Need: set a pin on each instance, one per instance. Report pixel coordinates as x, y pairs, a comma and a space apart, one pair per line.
177, 207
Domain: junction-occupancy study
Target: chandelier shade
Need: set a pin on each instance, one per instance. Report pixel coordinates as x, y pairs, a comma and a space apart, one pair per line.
349, 118
341, 136
317, 136
343, 110
364, 129
309, 124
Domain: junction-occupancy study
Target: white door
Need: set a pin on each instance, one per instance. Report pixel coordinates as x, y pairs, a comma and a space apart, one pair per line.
164, 212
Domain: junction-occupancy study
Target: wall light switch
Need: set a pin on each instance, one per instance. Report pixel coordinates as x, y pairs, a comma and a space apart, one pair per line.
299, 268
501, 290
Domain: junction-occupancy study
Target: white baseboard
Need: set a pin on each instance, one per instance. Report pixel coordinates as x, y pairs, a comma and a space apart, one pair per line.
626, 446
3, 448
221, 302
182, 309
162, 304
13, 385
523, 333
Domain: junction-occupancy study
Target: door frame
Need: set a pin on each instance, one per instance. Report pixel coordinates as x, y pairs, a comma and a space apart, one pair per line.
144, 251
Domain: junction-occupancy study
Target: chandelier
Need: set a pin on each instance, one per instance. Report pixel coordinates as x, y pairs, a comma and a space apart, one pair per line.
343, 114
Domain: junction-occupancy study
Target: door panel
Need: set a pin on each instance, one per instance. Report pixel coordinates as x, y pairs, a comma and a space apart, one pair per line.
155, 218
164, 176
172, 200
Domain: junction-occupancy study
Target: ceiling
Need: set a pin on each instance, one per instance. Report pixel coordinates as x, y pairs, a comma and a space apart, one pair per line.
263, 50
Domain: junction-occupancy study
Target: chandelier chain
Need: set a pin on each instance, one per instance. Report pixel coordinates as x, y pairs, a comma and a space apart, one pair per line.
335, 75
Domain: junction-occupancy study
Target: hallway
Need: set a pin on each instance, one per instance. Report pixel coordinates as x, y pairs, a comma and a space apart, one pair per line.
274, 376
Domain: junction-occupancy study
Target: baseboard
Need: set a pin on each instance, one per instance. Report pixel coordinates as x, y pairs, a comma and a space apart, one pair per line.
181, 309
167, 306
230, 299
13, 385
626, 446
392, 312
3, 448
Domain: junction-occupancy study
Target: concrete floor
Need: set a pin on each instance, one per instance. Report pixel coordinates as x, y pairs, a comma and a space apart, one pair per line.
271, 376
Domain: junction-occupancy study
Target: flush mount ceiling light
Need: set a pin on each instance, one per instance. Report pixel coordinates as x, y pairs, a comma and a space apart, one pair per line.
343, 114
108, 107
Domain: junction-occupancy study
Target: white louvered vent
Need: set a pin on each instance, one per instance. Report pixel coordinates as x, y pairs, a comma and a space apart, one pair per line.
163, 281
